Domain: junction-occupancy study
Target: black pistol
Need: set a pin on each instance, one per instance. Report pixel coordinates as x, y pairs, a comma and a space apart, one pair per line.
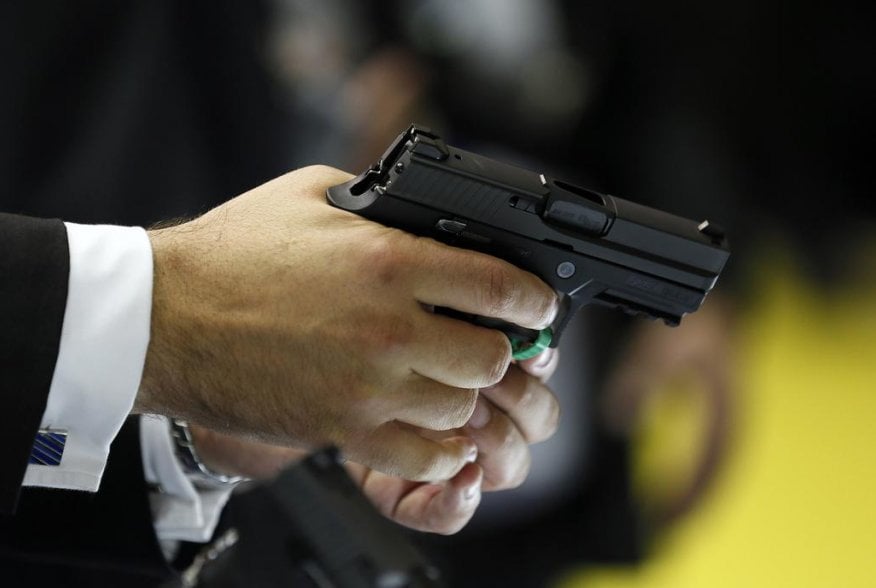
337, 537
590, 247
311, 527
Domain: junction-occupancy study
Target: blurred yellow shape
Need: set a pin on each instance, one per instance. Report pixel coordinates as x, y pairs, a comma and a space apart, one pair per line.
795, 501
670, 441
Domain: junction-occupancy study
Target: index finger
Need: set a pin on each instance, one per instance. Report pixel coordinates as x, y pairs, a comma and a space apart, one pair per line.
477, 283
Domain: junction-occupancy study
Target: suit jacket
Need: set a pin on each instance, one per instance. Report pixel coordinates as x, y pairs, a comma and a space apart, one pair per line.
112, 112
51, 536
34, 268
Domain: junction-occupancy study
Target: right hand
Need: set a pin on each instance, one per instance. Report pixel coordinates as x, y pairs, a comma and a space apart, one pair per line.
279, 317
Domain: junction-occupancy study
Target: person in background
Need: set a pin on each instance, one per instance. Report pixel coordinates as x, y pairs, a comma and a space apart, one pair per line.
755, 115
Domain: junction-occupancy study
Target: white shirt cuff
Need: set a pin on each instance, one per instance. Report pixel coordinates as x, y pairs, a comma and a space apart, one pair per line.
103, 346
179, 510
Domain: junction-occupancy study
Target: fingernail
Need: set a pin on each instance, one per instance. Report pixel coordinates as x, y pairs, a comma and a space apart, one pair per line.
544, 359
472, 491
472, 455
481, 415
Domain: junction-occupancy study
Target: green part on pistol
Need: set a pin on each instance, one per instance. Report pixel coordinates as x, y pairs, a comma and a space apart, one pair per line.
522, 349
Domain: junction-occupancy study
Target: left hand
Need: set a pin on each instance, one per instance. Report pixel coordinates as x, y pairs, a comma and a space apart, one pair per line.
443, 507
516, 412
512, 415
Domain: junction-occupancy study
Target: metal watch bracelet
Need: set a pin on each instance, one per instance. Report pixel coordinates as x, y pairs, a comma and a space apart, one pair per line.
197, 470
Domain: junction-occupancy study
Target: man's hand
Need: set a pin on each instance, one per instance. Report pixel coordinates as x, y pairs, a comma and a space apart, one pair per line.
278, 317
523, 411
439, 507
515, 413
512, 415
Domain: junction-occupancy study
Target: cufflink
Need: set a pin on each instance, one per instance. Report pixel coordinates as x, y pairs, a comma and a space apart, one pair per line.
48, 447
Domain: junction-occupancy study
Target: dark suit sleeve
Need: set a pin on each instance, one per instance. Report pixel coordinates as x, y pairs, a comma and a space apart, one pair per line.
34, 271
69, 538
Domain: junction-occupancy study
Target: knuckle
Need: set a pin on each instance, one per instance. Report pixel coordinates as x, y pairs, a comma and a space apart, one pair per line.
502, 291
325, 172
384, 258
462, 410
520, 396
426, 467
312, 174
388, 336
364, 407
522, 402
497, 360
522, 472
512, 474
536, 407
314, 169
546, 309
547, 424
510, 443
553, 420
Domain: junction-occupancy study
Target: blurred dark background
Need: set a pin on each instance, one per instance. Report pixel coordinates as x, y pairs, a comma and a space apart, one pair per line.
756, 115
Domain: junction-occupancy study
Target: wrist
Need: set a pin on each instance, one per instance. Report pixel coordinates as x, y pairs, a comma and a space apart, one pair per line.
148, 397
161, 389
